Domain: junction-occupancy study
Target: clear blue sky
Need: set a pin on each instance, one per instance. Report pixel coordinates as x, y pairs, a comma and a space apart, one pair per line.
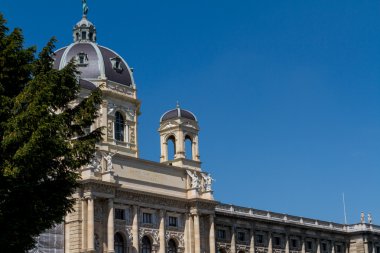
287, 93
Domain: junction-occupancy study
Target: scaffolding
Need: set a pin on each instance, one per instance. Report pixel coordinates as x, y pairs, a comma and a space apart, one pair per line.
50, 241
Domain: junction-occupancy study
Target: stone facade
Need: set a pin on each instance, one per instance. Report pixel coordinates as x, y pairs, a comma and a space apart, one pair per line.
128, 204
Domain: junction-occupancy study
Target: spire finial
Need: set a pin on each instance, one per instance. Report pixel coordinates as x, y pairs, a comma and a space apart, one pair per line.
177, 104
84, 8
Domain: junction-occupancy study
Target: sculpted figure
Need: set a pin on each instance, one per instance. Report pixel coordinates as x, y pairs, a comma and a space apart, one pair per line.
95, 163
207, 181
194, 179
362, 217
108, 157
84, 7
369, 218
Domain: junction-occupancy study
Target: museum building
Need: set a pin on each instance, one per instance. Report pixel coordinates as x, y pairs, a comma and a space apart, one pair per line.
130, 205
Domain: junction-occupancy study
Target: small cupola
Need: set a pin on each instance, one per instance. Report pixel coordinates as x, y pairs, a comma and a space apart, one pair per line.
179, 128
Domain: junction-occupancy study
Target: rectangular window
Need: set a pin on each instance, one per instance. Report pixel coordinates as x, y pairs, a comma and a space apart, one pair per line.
294, 243
147, 218
241, 236
119, 214
338, 248
260, 239
173, 221
277, 241
324, 246
221, 234
377, 249
309, 245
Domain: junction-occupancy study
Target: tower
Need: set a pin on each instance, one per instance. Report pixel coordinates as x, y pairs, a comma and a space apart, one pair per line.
102, 67
177, 126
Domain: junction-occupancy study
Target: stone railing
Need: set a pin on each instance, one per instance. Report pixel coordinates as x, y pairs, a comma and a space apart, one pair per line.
296, 220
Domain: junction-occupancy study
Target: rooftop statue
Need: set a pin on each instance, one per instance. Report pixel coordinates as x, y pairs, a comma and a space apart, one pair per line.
84, 7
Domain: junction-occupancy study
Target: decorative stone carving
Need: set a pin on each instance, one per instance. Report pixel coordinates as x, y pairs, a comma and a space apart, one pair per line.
132, 134
129, 234
207, 181
119, 88
168, 125
98, 212
110, 129
95, 163
178, 236
187, 124
97, 243
129, 112
150, 232
194, 179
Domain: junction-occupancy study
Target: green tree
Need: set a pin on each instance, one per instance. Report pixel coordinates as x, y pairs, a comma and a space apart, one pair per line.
43, 141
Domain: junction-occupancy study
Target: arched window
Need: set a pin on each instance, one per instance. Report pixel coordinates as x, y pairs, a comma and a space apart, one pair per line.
146, 246
172, 247
119, 127
188, 147
119, 243
171, 147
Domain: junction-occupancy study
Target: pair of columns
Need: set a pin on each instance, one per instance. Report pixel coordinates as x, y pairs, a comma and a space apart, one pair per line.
88, 205
135, 231
194, 234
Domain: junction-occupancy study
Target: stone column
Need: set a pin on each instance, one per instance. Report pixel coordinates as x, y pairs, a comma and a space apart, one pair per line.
110, 227
286, 243
179, 145
332, 247
84, 224
191, 237
90, 224
270, 246
252, 242
233, 239
318, 246
347, 247
162, 232
366, 245
303, 245
197, 237
212, 234
196, 148
135, 230
373, 247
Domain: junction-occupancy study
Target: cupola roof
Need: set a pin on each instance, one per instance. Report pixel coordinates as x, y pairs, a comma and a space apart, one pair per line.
178, 113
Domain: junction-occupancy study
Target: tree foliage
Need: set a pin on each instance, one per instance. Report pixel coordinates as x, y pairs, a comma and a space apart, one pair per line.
43, 141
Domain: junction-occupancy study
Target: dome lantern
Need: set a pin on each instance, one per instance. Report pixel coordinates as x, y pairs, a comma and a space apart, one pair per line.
84, 30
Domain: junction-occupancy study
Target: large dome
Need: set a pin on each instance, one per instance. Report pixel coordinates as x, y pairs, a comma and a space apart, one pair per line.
95, 62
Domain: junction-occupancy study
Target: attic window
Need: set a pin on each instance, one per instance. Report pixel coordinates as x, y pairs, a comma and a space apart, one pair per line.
82, 59
116, 64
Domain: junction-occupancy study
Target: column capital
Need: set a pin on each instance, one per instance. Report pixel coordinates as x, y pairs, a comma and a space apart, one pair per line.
194, 212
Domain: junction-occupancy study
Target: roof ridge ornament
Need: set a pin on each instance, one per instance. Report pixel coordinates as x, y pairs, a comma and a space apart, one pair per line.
84, 8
